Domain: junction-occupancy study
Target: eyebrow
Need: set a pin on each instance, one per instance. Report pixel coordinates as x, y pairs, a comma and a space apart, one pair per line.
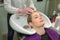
35, 15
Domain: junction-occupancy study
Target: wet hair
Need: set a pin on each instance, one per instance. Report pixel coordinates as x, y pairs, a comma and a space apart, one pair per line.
29, 18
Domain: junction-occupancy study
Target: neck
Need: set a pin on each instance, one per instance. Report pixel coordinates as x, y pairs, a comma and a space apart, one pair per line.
40, 30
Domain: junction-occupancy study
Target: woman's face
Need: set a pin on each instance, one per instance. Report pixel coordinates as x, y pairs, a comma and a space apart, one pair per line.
37, 20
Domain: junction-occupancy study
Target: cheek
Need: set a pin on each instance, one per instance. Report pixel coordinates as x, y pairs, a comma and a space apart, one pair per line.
34, 22
39, 22
42, 23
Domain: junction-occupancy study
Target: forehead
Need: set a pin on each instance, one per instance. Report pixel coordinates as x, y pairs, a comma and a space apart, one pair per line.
35, 14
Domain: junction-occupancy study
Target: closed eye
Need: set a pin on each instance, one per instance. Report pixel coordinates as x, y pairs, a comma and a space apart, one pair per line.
36, 17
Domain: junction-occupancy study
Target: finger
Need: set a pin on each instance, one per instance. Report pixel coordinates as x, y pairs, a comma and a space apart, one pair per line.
32, 8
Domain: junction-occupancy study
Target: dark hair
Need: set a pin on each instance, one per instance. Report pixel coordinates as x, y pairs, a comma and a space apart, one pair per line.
29, 19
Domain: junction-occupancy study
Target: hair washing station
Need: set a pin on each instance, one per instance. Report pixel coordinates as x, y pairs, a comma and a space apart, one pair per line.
19, 23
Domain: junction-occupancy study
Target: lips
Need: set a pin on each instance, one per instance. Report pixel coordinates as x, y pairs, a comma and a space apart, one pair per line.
41, 21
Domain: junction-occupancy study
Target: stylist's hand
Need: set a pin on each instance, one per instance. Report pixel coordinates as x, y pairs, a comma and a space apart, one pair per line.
20, 11
28, 10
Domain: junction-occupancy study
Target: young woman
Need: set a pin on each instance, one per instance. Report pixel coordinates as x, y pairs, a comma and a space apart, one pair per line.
36, 21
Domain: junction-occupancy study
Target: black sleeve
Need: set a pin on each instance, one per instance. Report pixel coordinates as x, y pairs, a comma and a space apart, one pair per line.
59, 37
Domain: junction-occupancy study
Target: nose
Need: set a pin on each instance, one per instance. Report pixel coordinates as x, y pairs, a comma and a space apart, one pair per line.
40, 17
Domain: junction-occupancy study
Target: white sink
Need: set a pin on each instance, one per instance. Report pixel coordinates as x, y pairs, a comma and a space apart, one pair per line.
18, 23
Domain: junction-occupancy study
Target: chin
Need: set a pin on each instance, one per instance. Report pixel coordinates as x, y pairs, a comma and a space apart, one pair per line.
42, 24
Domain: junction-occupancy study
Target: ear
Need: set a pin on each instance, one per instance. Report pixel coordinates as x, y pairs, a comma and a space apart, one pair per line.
30, 23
